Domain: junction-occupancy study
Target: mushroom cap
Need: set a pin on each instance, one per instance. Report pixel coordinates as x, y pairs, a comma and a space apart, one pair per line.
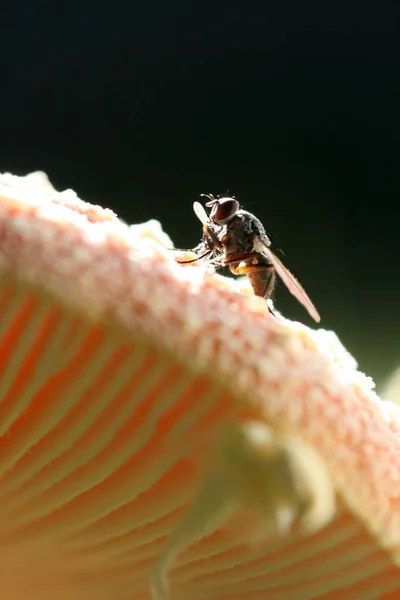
164, 436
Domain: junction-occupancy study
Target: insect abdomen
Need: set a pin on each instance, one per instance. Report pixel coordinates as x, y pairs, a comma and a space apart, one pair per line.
263, 282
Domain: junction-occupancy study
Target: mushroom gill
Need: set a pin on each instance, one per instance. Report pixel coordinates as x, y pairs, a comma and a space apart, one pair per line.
165, 437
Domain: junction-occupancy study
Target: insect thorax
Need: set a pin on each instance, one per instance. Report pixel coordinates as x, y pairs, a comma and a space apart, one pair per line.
239, 235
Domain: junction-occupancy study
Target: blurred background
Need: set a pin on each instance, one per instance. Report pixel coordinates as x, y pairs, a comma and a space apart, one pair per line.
293, 107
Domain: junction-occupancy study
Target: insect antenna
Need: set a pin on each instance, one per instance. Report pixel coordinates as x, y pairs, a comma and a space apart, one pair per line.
211, 198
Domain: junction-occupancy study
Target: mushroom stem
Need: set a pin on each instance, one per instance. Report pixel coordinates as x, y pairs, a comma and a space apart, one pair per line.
280, 480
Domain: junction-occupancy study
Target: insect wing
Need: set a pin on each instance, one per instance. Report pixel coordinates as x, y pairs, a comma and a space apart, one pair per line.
292, 284
200, 212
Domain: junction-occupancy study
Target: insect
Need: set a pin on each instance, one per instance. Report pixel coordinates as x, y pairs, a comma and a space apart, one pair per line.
236, 238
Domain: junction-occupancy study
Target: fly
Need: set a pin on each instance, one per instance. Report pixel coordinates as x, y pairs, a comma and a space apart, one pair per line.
236, 238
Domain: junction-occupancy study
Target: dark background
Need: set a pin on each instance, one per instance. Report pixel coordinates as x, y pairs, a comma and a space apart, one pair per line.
291, 106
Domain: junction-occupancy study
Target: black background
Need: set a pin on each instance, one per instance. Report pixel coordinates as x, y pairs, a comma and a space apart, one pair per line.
293, 107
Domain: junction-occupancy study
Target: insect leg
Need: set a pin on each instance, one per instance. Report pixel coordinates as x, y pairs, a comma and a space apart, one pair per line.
211, 238
186, 262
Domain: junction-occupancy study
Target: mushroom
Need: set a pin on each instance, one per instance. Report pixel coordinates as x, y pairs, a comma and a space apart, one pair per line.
165, 437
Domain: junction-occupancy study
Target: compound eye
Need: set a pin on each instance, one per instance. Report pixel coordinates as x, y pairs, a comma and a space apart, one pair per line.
224, 210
